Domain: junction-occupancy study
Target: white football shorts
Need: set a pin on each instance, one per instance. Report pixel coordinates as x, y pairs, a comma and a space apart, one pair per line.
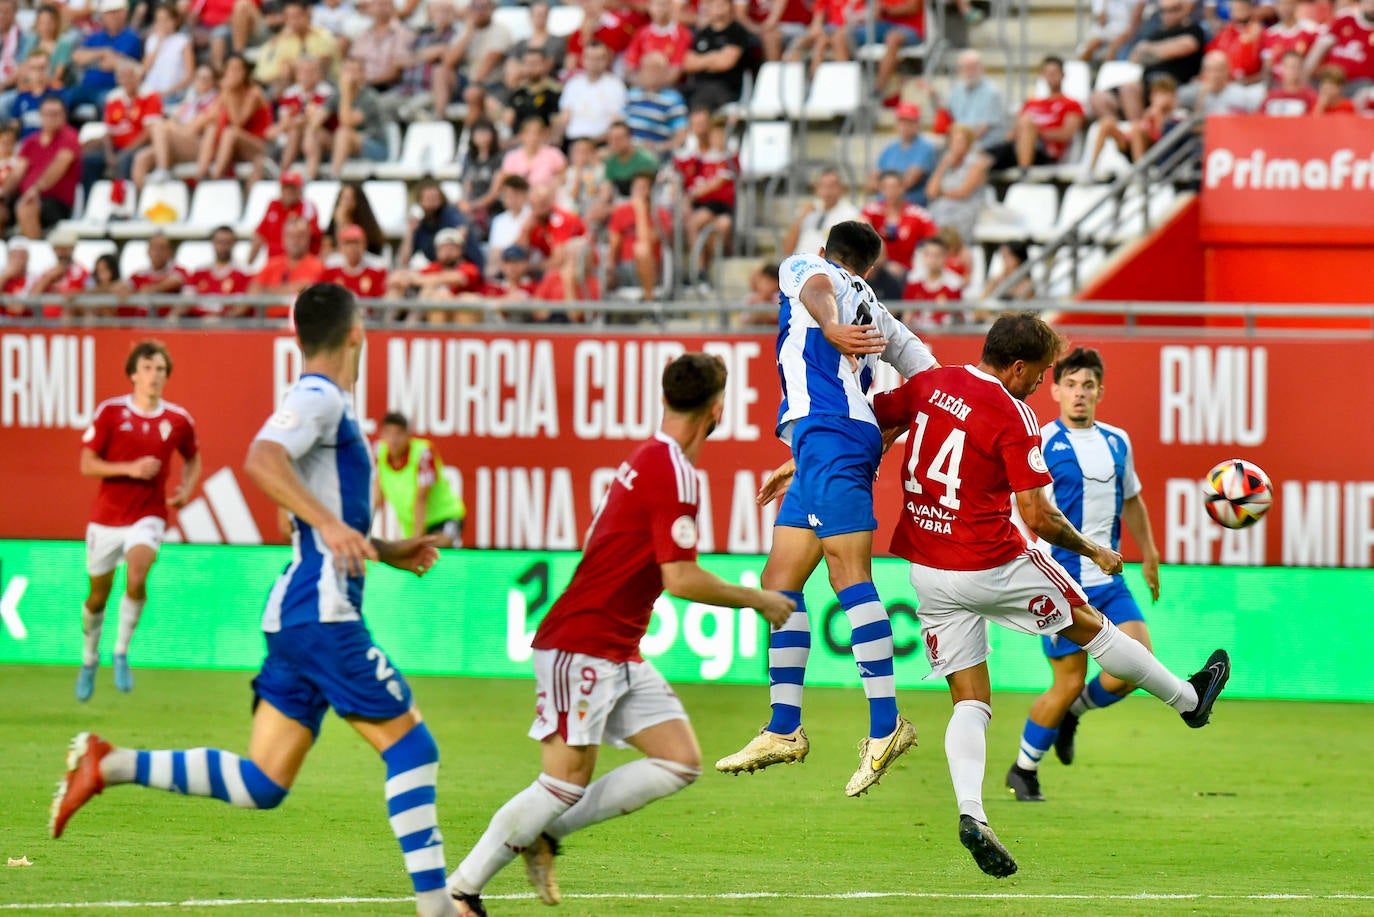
107, 545
587, 699
1031, 593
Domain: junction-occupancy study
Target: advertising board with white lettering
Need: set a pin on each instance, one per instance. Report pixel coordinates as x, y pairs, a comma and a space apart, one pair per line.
532, 428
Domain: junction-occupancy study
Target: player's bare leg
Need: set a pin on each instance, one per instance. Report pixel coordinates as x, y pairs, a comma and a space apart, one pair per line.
1133, 663
138, 563
966, 748
792, 559
92, 625
849, 559
1023, 779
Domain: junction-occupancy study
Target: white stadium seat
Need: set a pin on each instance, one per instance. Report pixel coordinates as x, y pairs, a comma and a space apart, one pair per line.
133, 257
88, 250
41, 257
260, 195
97, 212
160, 206
1114, 73
324, 194
1027, 212
836, 92
214, 203
779, 91
766, 150
427, 144
516, 19
564, 20
389, 200
194, 254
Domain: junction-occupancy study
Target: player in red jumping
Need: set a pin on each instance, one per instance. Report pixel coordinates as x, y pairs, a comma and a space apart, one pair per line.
129, 447
591, 681
973, 444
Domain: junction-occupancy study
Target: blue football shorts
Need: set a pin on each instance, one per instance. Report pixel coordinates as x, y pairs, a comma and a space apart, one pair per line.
1113, 599
312, 667
832, 491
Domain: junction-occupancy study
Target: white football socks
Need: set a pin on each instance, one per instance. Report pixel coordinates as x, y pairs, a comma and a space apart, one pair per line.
1125, 657
966, 747
625, 789
130, 611
514, 827
92, 624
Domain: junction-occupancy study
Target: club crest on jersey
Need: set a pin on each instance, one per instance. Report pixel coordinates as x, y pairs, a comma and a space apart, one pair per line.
684, 532
1042, 607
165, 428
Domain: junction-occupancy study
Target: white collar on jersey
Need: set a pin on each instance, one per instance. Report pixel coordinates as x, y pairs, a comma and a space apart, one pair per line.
129, 403
982, 375
664, 437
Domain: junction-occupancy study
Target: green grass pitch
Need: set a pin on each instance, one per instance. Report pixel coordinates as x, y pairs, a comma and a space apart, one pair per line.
1272, 799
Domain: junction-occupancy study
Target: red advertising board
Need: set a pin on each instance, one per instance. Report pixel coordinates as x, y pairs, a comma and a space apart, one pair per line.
534, 425
1296, 181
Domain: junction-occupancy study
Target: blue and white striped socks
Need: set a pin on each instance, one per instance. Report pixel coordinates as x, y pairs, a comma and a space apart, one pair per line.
412, 767
789, 647
197, 772
1093, 697
1036, 741
872, 642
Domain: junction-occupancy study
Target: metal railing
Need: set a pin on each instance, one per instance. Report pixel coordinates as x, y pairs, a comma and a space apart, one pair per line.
709, 315
1118, 216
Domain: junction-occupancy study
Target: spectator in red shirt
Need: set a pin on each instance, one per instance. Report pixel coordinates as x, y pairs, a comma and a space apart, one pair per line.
291, 271
161, 275
309, 89
244, 118
42, 187
560, 237
1288, 34
932, 281
14, 279
222, 277
1292, 96
602, 23
178, 138
635, 234
65, 276
708, 179
898, 24
129, 118
775, 22
517, 279
1347, 42
1330, 93
663, 35
902, 225
444, 279
1045, 128
352, 268
227, 25
1241, 39
292, 203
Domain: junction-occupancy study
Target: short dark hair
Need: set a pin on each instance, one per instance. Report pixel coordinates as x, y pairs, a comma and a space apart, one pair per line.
145, 350
1020, 336
516, 182
855, 244
324, 313
1080, 358
1162, 82
396, 419
889, 173
219, 229
1053, 59
693, 381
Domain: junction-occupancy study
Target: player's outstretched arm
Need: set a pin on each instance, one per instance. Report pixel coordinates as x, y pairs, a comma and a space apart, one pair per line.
1137, 520
687, 580
416, 555
1044, 519
818, 296
144, 469
269, 466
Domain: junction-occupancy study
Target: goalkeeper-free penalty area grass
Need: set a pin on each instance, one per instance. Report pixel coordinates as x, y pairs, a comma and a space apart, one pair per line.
1268, 810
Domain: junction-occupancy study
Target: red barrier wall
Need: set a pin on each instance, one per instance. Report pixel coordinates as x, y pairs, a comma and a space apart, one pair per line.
535, 425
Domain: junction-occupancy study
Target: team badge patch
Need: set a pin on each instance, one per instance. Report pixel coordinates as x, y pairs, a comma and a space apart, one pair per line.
285, 419
165, 428
684, 532
1036, 459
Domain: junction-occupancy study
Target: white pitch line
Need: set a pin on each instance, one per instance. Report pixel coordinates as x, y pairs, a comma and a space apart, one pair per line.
724, 896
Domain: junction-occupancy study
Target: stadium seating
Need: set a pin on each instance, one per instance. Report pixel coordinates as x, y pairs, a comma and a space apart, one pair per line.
88, 250
426, 145
836, 92
388, 200
1115, 73
260, 195
779, 91
324, 194
161, 204
95, 215
1027, 212
133, 257
214, 203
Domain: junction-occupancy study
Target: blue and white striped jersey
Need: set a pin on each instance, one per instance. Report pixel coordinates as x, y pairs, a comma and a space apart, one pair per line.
316, 425
1094, 474
817, 378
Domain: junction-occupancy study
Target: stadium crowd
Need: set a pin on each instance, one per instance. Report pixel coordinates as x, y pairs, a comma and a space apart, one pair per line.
580, 151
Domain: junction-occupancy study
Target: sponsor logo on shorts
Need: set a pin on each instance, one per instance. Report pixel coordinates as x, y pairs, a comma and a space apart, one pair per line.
933, 649
1042, 607
812, 521
582, 708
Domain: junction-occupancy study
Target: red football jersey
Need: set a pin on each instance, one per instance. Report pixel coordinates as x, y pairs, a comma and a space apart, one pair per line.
1353, 51
622, 221
1049, 114
701, 168
971, 445
915, 20
1289, 104
125, 117
561, 226
74, 281
218, 280
647, 518
274, 221
1242, 45
296, 97
1278, 40
469, 271
672, 43
121, 433
900, 237
366, 281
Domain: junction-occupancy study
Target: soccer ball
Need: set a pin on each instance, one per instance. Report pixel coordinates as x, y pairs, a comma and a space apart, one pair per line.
1237, 493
